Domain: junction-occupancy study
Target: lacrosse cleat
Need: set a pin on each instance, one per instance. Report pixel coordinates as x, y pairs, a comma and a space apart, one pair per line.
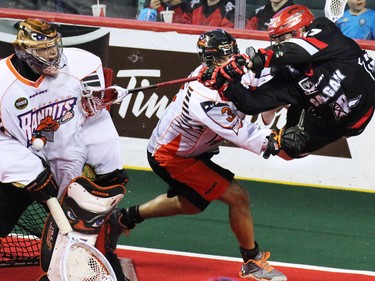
116, 229
260, 270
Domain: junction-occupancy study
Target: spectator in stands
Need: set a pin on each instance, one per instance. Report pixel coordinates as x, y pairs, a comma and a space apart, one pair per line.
60, 6
218, 13
358, 22
115, 8
178, 6
126, 9
264, 13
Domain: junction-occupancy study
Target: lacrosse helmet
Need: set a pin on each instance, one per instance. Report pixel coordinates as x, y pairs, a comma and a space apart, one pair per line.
39, 44
290, 22
215, 47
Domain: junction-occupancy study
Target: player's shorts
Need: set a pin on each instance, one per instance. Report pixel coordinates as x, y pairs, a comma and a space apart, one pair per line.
198, 179
13, 202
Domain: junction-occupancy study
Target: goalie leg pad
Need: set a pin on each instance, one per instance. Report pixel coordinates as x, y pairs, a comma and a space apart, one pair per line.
87, 207
115, 177
49, 238
87, 204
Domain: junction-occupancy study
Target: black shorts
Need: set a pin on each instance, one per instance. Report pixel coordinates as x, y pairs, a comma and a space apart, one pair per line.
13, 202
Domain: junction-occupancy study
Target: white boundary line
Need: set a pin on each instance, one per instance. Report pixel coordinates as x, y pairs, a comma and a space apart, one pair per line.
282, 264
21, 236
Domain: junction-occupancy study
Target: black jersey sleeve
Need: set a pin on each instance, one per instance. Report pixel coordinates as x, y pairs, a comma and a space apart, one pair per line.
270, 95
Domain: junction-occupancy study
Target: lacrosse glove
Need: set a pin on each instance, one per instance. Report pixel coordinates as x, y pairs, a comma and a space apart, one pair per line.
291, 140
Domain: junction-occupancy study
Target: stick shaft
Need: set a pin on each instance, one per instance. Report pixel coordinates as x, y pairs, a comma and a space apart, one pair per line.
302, 119
163, 84
59, 215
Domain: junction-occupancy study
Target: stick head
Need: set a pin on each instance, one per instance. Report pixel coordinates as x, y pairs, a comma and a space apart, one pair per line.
94, 100
81, 261
334, 9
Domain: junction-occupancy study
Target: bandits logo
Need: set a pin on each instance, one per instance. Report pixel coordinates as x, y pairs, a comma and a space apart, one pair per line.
45, 121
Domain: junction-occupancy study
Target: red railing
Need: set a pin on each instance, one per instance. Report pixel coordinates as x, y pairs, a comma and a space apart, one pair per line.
142, 25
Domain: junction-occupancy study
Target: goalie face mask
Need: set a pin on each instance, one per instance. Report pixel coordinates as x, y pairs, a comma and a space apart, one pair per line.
39, 45
216, 47
290, 22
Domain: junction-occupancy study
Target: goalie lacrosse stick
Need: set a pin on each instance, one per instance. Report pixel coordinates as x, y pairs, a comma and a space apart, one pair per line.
80, 261
94, 100
334, 9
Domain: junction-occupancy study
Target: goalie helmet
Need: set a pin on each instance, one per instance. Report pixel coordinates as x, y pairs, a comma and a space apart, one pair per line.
39, 44
290, 22
215, 47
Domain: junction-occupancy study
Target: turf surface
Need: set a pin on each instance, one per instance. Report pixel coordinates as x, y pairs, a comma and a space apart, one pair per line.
297, 224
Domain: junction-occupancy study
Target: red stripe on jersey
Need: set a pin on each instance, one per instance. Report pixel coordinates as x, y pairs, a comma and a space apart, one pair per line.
364, 118
268, 54
317, 43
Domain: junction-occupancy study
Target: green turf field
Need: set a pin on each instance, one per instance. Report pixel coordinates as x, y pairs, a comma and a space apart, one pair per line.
297, 224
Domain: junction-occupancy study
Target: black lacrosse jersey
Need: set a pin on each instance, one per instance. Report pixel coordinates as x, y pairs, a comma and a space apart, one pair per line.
324, 72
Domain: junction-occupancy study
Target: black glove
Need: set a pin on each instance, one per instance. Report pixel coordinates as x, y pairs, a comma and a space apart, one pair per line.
293, 140
218, 78
235, 67
257, 58
43, 187
212, 78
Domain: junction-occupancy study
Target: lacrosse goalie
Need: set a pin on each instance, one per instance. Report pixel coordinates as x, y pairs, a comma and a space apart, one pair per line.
47, 137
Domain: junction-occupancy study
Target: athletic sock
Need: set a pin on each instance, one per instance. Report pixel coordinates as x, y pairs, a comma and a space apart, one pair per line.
249, 254
131, 217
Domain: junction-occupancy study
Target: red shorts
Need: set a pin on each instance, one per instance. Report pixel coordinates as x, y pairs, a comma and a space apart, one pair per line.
197, 178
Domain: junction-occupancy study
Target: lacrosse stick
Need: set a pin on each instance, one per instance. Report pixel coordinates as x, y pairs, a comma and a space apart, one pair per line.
334, 9
80, 261
94, 100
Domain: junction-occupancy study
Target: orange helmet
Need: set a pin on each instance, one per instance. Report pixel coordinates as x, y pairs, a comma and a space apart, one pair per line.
290, 21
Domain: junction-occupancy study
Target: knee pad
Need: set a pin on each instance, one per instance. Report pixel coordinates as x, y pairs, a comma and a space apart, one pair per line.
87, 207
115, 177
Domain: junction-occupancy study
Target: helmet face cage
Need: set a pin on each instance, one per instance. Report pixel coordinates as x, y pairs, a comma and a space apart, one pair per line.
38, 44
290, 22
215, 47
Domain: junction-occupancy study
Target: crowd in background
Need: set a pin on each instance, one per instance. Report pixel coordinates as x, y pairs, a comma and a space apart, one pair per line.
358, 21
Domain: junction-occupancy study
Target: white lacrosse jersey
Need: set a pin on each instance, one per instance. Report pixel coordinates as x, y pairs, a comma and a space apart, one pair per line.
199, 121
49, 109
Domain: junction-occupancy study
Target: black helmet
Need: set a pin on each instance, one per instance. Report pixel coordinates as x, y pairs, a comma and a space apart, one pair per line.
216, 46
